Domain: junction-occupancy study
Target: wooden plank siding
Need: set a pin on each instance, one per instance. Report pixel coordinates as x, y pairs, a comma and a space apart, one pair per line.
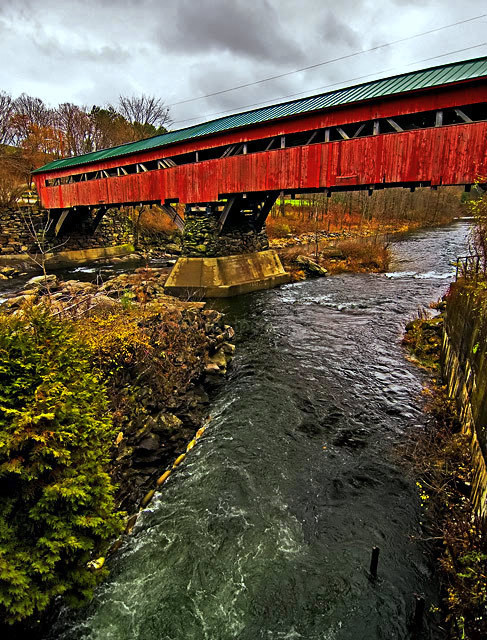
450, 155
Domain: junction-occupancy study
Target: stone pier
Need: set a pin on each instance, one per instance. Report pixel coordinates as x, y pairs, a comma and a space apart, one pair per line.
222, 260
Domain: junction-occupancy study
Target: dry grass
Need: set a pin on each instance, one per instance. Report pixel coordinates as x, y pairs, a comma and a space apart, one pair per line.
359, 255
299, 220
354, 255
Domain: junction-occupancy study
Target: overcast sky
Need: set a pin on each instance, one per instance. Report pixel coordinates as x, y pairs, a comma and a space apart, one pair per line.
90, 51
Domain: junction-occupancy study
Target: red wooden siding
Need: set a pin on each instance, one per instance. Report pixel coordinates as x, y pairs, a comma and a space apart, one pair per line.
454, 154
442, 98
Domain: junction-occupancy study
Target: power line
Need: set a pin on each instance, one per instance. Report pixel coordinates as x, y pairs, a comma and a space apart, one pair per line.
326, 86
320, 64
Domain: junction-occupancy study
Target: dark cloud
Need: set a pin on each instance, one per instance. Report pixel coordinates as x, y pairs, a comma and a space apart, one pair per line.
90, 51
240, 28
338, 32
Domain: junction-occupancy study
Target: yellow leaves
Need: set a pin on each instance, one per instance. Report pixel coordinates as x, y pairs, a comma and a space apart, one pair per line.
115, 338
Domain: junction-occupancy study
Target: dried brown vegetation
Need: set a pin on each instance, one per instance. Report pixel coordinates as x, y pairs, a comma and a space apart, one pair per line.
385, 210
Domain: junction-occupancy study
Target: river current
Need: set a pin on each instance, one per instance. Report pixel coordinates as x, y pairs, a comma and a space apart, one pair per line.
266, 530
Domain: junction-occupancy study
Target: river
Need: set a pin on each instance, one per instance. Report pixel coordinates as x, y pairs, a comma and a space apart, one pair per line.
266, 531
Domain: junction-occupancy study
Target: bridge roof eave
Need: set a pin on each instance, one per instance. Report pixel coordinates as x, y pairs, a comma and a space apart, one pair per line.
404, 84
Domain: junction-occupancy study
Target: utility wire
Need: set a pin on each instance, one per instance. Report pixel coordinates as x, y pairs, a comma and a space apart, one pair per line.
326, 86
320, 64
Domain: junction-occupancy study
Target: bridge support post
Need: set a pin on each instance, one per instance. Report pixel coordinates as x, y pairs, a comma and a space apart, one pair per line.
225, 251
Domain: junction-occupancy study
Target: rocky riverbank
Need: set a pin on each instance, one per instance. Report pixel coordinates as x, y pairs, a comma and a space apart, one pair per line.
353, 255
154, 423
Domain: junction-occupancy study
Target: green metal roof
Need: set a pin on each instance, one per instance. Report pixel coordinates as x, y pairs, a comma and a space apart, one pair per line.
412, 81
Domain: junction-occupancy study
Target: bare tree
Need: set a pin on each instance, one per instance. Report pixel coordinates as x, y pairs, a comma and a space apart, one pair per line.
34, 109
144, 110
77, 126
12, 180
6, 111
29, 112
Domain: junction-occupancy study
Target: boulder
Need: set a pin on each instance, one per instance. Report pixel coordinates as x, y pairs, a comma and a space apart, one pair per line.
166, 423
42, 281
212, 368
311, 267
219, 358
149, 444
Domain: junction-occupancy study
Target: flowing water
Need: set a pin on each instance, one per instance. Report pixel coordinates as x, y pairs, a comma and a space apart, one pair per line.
266, 530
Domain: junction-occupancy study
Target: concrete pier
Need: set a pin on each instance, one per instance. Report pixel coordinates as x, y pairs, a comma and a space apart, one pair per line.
226, 276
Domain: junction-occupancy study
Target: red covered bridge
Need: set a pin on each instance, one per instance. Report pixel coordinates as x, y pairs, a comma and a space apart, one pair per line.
421, 128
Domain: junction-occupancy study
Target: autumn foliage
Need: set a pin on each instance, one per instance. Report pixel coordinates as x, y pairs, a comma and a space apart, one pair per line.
33, 133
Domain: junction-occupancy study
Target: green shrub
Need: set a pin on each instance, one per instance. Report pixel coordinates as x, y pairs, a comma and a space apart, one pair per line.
56, 500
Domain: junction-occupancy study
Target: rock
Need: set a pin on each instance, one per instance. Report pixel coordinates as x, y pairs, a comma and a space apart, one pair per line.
219, 358
29, 292
212, 368
20, 300
166, 423
149, 444
78, 286
311, 267
211, 315
229, 332
228, 348
173, 248
42, 281
104, 301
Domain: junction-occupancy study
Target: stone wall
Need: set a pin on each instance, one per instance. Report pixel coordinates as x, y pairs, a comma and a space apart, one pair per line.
15, 237
242, 242
201, 238
115, 229
464, 367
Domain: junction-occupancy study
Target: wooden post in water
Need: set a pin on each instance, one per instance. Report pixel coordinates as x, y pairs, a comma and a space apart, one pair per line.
374, 561
418, 612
